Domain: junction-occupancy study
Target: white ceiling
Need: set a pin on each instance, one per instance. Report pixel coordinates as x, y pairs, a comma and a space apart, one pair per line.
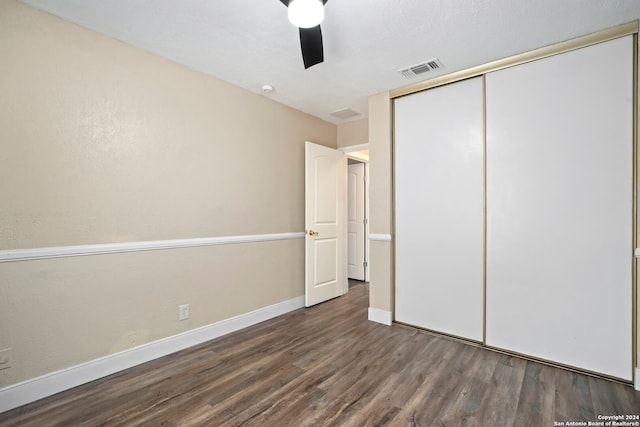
250, 43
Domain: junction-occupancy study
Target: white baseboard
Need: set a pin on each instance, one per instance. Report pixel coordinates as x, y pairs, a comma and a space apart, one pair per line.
380, 316
37, 388
637, 380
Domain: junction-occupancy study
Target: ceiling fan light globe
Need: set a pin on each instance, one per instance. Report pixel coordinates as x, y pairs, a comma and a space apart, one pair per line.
306, 13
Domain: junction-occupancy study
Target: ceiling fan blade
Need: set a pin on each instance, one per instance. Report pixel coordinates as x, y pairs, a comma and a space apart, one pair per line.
310, 42
311, 45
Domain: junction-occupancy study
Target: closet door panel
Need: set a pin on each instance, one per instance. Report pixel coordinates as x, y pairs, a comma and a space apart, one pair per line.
559, 208
439, 209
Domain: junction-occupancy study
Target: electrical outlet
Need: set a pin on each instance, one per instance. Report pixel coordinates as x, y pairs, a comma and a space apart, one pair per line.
5, 358
183, 312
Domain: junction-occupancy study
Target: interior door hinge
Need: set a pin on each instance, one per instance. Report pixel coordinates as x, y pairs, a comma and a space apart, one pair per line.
365, 264
364, 221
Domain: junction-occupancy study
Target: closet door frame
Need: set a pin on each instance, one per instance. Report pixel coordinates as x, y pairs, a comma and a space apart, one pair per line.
631, 28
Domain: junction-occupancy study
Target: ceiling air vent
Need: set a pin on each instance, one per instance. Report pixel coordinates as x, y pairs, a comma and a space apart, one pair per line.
345, 113
421, 68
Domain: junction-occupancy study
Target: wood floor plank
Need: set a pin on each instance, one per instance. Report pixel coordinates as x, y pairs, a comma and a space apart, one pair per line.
407, 376
295, 370
266, 386
417, 410
478, 375
536, 405
573, 398
609, 398
455, 398
500, 401
276, 401
358, 386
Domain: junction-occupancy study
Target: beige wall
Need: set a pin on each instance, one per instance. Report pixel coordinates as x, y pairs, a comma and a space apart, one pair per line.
104, 143
353, 133
380, 204
57, 313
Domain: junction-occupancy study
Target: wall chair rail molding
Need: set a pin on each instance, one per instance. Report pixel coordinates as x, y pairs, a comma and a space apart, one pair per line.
380, 237
12, 255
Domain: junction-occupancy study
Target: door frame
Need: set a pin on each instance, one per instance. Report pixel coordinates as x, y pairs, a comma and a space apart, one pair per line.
367, 251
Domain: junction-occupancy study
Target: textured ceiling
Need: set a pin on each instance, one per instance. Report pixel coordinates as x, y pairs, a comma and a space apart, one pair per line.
250, 43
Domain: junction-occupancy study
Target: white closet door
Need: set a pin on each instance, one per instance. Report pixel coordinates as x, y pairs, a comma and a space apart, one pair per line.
439, 209
559, 208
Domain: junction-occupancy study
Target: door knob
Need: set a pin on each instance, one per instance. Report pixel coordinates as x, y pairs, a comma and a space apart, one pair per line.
313, 233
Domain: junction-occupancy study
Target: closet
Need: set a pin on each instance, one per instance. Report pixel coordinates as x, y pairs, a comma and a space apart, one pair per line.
514, 203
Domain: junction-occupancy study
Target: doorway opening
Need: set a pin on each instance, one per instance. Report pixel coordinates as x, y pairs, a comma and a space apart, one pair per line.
357, 253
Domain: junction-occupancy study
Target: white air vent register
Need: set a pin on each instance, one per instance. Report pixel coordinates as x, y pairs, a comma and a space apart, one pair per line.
421, 68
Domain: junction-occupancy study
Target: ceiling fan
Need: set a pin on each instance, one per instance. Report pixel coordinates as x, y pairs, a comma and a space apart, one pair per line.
307, 16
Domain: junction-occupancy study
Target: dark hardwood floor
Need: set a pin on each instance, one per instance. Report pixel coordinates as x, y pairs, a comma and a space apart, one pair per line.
328, 366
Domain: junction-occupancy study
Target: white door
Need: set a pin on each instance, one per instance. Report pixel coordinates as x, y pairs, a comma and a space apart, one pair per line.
355, 222
439, 209
325, 172
560, 208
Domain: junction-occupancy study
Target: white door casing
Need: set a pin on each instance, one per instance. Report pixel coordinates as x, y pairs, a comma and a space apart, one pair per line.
356, 222
325, 196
